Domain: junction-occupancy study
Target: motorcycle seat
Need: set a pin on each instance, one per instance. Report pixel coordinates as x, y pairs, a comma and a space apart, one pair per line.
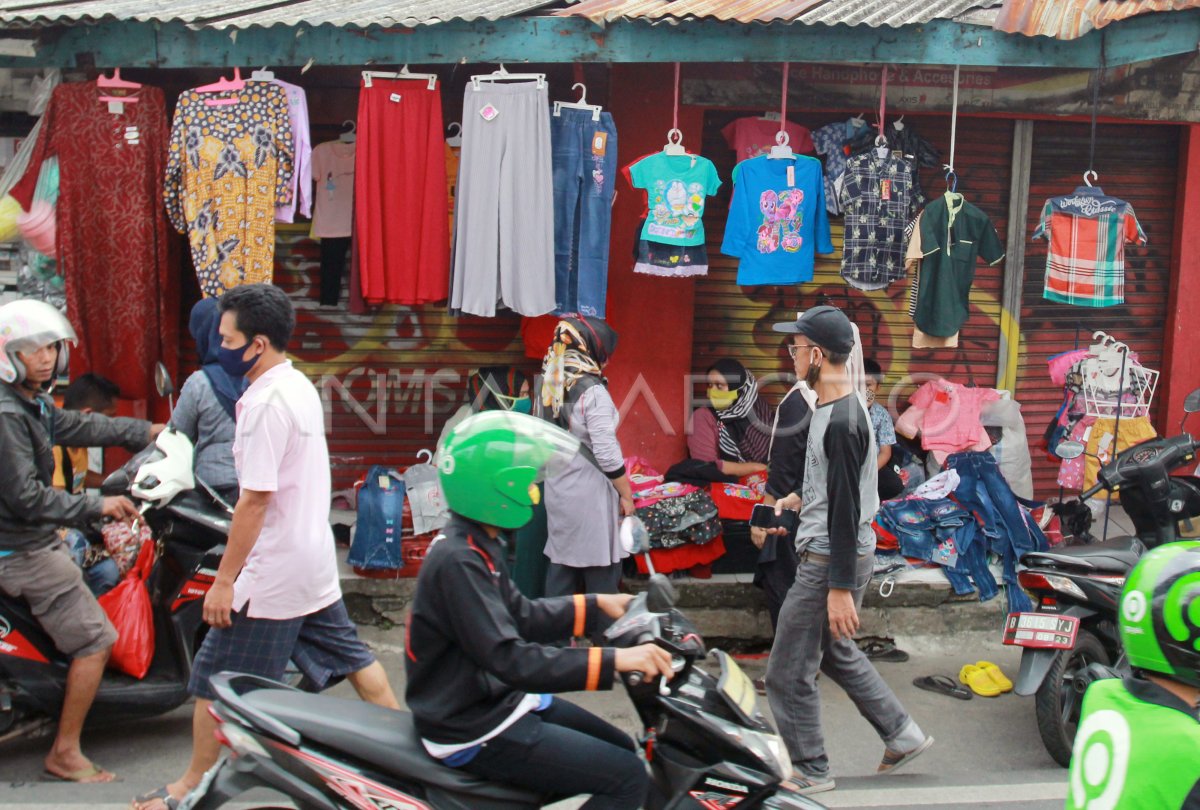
383, 738
1117, 556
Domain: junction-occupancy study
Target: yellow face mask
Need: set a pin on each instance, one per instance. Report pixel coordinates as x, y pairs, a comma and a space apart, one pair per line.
721, 399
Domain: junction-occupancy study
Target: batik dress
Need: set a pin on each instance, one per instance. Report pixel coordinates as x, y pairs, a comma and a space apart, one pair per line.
229, 166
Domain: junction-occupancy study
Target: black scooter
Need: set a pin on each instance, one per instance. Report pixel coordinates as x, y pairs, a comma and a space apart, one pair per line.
1077, 588
190, 528
706, 743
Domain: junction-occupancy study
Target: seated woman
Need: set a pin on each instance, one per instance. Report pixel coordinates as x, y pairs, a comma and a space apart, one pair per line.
733, 433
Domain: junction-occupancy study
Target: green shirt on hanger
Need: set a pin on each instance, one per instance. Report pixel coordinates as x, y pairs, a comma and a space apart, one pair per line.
954, 234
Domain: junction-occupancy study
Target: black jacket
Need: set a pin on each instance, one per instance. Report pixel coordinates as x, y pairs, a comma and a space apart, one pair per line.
31, 509
475, 646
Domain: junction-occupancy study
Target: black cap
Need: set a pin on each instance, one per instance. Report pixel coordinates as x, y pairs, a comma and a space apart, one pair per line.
826, 326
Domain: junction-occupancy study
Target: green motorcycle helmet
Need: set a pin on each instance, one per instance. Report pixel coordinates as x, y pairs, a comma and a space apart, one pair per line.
1160, 612
490, 463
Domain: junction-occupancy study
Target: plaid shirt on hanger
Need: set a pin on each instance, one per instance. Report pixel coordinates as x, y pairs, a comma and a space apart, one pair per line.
879, 201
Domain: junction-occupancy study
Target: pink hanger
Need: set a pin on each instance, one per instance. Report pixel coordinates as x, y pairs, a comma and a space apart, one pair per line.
223, 85
117, 83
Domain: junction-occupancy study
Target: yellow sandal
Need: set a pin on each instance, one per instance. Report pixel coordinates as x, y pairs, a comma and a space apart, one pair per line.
998, 677
979, 681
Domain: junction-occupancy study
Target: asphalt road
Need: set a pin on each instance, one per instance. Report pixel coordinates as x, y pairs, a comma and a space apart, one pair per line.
987, 754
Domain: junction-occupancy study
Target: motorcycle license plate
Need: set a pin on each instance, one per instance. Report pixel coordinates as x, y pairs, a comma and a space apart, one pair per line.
1041, 631
736, 687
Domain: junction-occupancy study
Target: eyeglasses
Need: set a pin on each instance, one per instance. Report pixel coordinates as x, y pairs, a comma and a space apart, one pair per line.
797, 347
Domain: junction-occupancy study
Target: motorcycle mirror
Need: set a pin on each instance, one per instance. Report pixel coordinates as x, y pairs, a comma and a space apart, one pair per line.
661, 596
162, 380
634, 537
1069, 450
1192, 403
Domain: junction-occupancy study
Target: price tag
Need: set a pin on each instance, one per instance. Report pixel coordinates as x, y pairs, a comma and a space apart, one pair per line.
385, 482
394, 97
116, 107
489, 112
791, 176
600, 144
885, 189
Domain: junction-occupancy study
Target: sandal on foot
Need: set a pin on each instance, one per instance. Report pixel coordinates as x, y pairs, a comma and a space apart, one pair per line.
942, 685
81, 776
893, 761
161, 793
804, 785
980, 682
996, 674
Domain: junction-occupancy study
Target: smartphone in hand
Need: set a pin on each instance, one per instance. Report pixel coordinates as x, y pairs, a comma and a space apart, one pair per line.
764, 517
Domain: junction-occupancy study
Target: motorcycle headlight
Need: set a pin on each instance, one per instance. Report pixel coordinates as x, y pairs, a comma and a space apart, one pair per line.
769, 748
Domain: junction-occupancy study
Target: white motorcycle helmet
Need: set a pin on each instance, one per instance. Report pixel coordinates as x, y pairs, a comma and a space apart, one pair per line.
26, 326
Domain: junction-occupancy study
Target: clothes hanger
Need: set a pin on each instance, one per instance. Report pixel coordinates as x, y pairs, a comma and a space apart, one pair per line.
781, 150
674, 144
117, 83
454, 141
898, 124
430, 79
349, 135
502, 75
859, 120
1088, 181
262, 75
582, 104
223, 85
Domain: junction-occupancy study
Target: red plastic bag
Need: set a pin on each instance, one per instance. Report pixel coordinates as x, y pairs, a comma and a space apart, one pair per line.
128, 608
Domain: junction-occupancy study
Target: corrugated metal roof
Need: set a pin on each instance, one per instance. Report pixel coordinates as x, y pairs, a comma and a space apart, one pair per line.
893, 13
243, 13
1071, 19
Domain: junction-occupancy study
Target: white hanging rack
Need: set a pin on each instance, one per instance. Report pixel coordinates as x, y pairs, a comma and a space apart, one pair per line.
1114, 384
502, 75
581, 104
429, 78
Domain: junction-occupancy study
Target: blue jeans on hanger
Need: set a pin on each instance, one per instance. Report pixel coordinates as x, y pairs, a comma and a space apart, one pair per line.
983, 490
585, 168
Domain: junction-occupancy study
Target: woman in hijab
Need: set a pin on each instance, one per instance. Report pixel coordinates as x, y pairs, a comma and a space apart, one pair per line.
585, 501
733, 433
205, 410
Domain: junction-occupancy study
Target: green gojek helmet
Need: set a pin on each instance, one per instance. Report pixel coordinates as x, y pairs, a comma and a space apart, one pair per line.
1160, 612
490, 462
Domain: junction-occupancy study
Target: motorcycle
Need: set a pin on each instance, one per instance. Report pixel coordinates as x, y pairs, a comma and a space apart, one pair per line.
706, 743
1077, 589
190, 528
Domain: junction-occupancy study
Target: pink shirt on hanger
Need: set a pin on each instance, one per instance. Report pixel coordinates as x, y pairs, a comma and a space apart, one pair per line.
751, 137
333, 174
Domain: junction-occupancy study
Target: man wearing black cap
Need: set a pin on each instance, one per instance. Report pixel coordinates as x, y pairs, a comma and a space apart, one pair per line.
836, 545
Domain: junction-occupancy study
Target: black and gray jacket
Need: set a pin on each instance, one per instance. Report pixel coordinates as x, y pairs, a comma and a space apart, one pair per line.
31, 509
474, 646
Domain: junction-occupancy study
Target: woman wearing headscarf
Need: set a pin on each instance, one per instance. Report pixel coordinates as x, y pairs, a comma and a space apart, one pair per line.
205, 410
733, 432
585, 501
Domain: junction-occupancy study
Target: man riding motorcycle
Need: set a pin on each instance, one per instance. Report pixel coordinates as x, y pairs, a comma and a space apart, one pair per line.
479, 661
34, 563
1138, 744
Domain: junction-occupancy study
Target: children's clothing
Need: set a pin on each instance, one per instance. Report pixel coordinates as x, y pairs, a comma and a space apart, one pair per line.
879, 200
676, 188
750, 137
333, 174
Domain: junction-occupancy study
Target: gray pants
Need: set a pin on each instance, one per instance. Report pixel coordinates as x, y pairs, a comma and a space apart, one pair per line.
565, 580
504, 203
804, 645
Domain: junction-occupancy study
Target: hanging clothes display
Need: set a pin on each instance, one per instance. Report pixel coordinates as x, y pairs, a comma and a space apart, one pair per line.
830, 143
301, 199
913, 258
230, 164
954, 234
504, 211
903, 139
111, 231
879, 201
947, 417
777, 220
753, 136
1087, 231
584, 148
400, 205
671, 240
333, 209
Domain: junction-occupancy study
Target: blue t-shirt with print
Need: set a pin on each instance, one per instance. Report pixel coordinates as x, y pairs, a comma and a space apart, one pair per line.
676, 188
777, 220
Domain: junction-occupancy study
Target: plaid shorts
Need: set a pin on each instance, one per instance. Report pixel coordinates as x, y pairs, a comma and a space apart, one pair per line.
324, 646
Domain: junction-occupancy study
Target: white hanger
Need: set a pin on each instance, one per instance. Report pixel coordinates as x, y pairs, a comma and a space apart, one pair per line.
349, 135
579, 105
771, 115
1088, 180
781, 150
898, 124
674, 144
859, 119
262, 75
881, 146
425, 455
454, 141
429, 78
502, 75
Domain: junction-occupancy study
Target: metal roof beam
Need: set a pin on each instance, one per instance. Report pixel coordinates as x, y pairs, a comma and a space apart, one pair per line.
547, 40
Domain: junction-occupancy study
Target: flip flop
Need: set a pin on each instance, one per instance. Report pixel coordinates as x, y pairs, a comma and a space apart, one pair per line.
998, 677
80, 775
893, 761
980, 682
878, 650
942, 685
158, 793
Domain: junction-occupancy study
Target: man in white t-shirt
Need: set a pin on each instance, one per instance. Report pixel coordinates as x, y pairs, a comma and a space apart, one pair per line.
276, 596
